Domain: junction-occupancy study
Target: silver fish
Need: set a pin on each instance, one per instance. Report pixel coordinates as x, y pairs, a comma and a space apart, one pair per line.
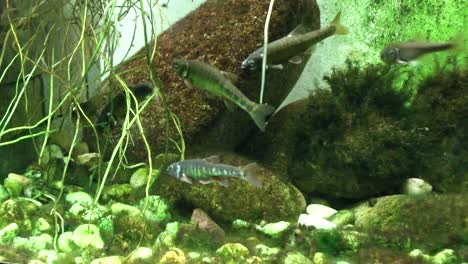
210, 170
406, 52
291, 47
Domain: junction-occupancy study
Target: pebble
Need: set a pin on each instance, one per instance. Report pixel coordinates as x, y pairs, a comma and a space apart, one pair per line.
315, 221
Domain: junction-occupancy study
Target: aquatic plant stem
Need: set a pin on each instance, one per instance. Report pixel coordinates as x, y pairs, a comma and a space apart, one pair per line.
265, 48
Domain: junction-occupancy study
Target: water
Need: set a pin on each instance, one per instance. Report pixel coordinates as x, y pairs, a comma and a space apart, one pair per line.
368, 165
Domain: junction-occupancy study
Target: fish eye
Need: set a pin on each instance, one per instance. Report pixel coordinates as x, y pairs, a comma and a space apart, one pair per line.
248, 64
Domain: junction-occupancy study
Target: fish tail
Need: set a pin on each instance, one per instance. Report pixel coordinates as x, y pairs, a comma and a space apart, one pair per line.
260, 113
340, 28
252, 174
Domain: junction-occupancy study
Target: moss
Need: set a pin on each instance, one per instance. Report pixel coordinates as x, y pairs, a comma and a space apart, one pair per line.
439, 120
364, 137
402, 222
349, 137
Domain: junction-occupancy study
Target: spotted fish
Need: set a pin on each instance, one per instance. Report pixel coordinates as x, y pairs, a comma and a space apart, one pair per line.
210, 170
218, 83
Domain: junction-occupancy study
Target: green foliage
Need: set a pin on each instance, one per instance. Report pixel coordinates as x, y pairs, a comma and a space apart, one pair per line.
351, 134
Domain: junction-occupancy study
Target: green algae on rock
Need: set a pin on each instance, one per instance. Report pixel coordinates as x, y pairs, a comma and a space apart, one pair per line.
399, 218
275, 201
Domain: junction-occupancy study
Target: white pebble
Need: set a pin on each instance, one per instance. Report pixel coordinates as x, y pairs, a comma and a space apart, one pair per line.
320, 210
315, 221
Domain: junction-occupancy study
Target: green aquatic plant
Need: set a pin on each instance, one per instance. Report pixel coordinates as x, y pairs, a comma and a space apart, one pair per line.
73, 51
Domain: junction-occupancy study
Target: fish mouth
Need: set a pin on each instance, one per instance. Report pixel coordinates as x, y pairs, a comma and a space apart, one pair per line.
248, 65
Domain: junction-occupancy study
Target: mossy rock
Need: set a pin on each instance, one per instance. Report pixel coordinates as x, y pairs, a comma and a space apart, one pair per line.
275, 201
348, 141
431, 222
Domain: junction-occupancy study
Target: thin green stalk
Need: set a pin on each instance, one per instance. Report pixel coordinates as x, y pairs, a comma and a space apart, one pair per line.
265, 49
51, 103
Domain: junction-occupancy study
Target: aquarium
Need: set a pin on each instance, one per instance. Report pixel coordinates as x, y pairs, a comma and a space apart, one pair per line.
234, 131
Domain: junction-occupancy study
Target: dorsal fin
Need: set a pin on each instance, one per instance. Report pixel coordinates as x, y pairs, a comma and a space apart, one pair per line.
212, 159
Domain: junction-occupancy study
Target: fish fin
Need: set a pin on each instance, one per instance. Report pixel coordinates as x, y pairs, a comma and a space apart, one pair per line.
296, 60
186, 179
402, 62
310, 50
340, 28
212, 159
223, 182
230, 106
189, 84
205, 181
234, 78
253, 174
299, 30
276, 67
260, 113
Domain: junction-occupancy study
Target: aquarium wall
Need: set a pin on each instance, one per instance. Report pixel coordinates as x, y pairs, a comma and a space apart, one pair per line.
177, 131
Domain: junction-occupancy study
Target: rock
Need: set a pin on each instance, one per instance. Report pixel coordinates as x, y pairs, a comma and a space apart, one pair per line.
16, 183
20, 211
33, 243
173, 256
275, 230
119, 208
108, 260
141, 255
81, 198
241, 200
320, 258
320, 210
89, 160
265, 251
416, 186
65, 242
87, 213
193, 256
88, 236
342, 218
296, 258
117, 192
139, 178
205, 223
233, 252
41, 226
168, 236
51, 153
315, 221
403, 217
205, 119
446, 256
157, 210
241, 224
8, 233
3, 193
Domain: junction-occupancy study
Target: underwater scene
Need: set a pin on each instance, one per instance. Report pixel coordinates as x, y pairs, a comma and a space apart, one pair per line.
234, 131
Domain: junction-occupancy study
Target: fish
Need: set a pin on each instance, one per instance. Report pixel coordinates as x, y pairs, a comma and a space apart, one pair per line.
291, 47
116, 109
209, 170
110, 113
404, 53
197, 74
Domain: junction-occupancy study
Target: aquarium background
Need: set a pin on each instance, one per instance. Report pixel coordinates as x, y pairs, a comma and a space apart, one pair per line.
108, 154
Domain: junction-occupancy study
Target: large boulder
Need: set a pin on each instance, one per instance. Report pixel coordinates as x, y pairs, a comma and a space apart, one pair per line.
223, 36
275, 201
431, 222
